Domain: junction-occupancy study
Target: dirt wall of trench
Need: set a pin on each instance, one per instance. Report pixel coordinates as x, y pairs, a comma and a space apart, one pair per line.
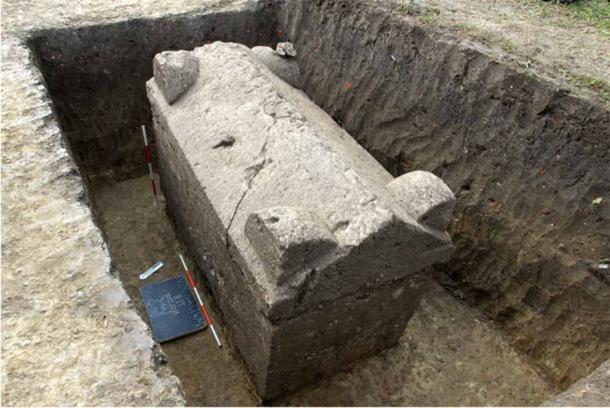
525, 159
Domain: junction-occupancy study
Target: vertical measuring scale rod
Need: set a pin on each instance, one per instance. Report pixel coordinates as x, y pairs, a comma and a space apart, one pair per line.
204, 310
149, 161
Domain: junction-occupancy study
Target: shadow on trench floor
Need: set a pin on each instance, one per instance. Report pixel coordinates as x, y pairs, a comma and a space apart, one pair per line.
448, 355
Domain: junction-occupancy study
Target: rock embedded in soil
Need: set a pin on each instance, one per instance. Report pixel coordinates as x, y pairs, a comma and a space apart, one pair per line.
285, 49
316, 254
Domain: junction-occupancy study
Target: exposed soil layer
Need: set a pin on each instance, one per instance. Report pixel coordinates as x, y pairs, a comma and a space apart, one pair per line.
527, 161
450, 354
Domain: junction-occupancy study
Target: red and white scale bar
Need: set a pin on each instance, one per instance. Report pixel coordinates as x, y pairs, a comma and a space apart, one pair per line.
148, 154
191, 281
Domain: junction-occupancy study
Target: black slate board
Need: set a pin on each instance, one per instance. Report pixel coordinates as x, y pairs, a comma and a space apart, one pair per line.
172, 310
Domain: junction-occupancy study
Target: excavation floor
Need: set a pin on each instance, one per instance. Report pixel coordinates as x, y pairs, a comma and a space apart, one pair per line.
449, 354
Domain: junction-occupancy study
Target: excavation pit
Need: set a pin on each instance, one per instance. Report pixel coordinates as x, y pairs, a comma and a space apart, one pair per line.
526, 160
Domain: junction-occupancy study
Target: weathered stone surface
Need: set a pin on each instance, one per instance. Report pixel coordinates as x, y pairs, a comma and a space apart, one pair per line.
289, 240
174, 73
313, 252
285, 68
431, 202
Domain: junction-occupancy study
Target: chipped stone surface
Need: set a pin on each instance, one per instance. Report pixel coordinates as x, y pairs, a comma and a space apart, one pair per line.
288, 237
299, 220
174, 73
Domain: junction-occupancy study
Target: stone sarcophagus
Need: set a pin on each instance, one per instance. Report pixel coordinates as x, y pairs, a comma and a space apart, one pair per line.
313, 251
